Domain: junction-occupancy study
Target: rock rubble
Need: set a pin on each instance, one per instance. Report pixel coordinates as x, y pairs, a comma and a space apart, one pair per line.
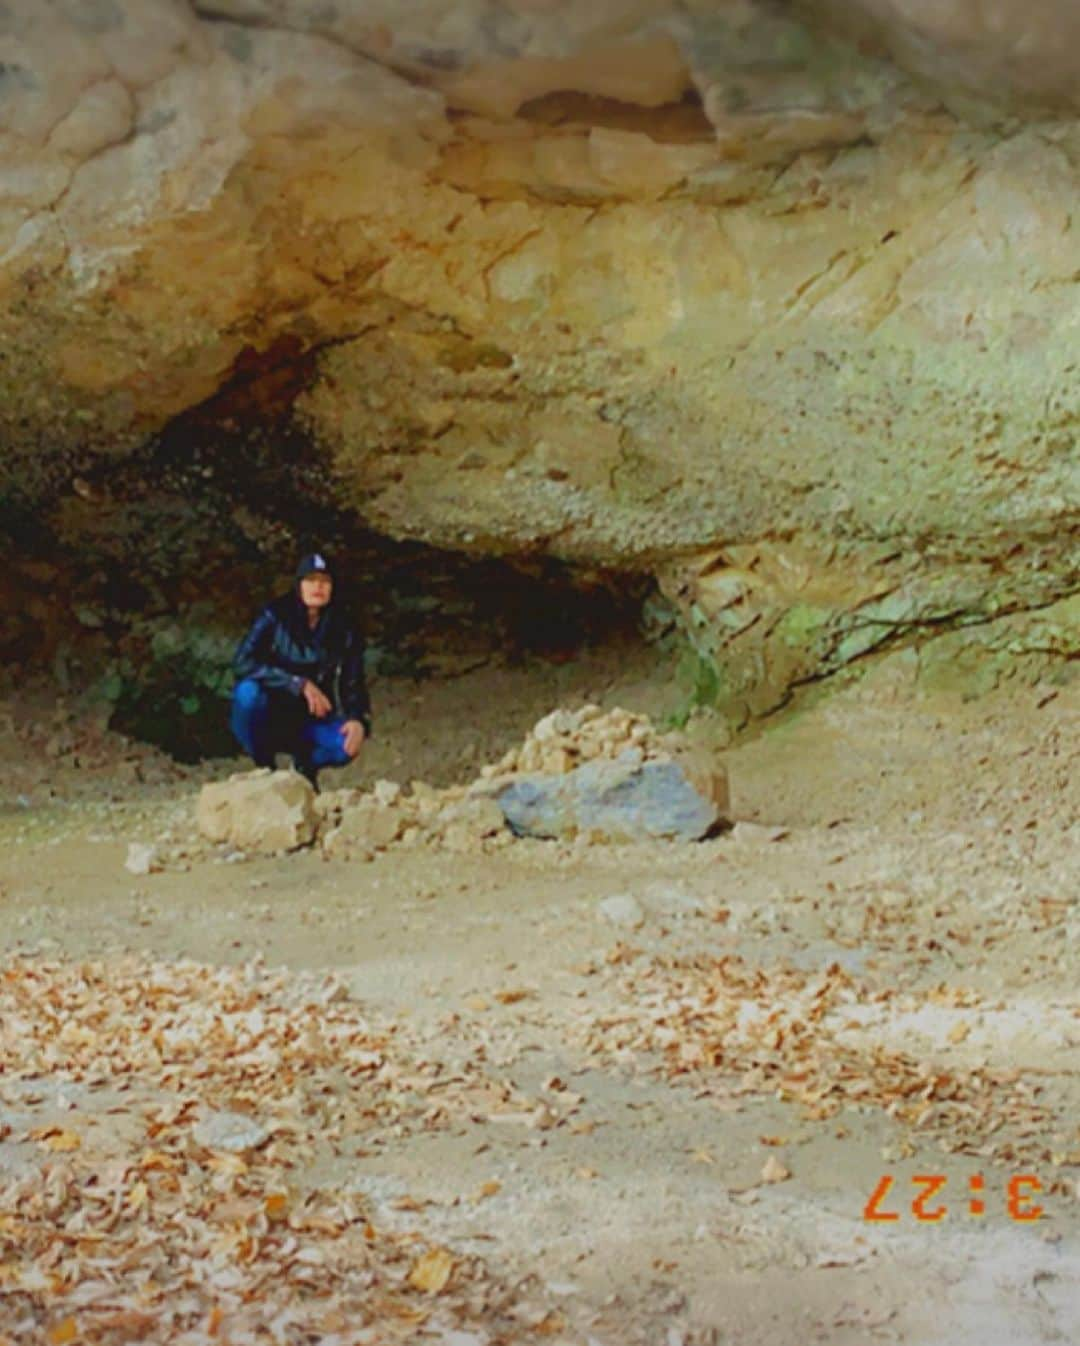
604, 776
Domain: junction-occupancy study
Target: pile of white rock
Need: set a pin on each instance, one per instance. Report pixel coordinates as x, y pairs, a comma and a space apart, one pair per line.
358, 823
566, 739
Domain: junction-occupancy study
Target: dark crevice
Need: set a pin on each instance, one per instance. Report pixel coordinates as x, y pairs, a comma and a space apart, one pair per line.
144, 577
899, 634
681, 123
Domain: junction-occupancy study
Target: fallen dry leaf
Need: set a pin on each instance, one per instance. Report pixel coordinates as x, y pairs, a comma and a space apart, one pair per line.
231, 1164
729, 1027
409, 1203
432, 1271
144, 1243
511, 997
157, 1159
57, 1140
551, 1323
276, 1206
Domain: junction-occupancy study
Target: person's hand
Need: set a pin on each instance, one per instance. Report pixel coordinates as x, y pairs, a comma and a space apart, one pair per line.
317, 701
352, 732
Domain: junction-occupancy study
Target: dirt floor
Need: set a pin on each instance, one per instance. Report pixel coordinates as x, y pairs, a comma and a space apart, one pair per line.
658, 1124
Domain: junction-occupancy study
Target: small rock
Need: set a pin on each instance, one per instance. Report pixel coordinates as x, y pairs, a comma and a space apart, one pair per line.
622, 910
774, 1171
673, 900
332, 803
460, 840
259, 811
557, 762
365, 827
470, 821
551, 726
230, 1131
757, 833
386, 791
142, 858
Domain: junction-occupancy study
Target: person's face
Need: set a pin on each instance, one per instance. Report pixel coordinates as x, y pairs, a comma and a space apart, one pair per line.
315, 590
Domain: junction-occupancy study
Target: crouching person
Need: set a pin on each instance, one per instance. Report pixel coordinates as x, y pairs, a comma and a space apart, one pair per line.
300, 683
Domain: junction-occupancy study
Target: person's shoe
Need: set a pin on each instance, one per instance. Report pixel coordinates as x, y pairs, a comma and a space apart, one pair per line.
309, 773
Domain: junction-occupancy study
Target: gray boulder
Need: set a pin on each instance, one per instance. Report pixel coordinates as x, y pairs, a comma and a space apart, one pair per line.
627, 799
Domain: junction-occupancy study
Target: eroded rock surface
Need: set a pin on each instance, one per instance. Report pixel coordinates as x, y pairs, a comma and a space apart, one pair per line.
624, 800
259, 811
989, 52
701, 290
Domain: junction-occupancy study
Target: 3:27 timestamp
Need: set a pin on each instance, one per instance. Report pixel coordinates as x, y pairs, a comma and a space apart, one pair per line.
928, 1203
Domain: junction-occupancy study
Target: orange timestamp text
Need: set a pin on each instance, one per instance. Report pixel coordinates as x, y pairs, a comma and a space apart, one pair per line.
927, 1203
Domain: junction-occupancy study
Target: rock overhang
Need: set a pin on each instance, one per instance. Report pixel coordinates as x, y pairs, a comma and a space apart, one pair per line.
630, 284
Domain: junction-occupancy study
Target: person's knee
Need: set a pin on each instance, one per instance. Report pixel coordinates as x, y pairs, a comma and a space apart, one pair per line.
321, 744
249, 695
338, 754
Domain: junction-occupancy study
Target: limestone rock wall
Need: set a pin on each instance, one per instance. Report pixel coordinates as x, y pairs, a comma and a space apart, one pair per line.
706, 290
977, 54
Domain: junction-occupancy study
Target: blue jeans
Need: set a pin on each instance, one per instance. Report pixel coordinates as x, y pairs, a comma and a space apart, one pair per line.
267, 721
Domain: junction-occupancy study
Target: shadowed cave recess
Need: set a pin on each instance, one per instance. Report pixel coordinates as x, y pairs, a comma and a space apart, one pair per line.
134, 586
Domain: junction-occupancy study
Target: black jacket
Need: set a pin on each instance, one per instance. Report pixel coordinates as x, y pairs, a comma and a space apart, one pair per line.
281, 651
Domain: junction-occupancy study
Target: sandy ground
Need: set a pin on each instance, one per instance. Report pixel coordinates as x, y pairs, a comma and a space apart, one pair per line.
920, 853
